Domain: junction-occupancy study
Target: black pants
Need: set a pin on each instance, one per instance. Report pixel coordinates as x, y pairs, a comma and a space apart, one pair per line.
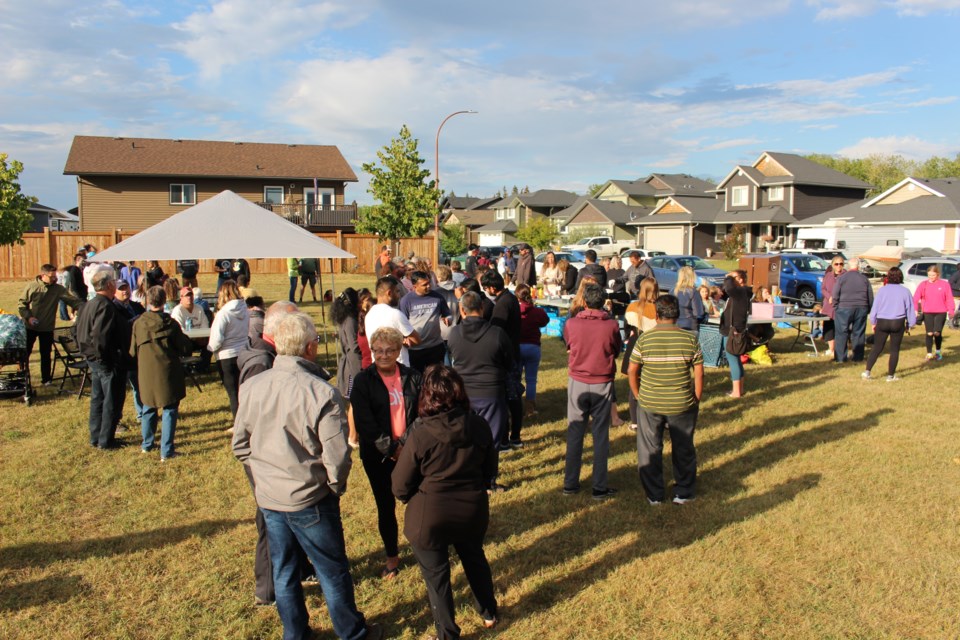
378, 471
420, 359
230, 376
893, 329
650, 452
46, 349
435, 568
933, 325
262, 565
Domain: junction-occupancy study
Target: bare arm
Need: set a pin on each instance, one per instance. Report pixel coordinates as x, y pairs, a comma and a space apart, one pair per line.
633, 377
698, 380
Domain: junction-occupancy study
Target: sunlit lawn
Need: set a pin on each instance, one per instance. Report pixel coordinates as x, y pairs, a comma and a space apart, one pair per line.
827, 508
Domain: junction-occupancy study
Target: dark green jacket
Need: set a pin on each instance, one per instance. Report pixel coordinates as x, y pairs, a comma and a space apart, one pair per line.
40, 300
157, 344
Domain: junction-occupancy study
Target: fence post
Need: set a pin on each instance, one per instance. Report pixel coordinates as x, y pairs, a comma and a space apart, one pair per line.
340, 245
51, 246
116, 236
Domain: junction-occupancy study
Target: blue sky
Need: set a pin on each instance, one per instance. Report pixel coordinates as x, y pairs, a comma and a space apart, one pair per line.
569, 93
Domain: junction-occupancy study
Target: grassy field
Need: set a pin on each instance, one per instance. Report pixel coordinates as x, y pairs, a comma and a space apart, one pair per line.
827, 508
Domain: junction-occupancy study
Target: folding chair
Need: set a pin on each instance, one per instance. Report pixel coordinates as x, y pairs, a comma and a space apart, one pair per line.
191, 366
74, 363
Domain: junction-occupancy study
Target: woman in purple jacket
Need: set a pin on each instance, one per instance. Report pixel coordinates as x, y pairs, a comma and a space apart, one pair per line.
891, 315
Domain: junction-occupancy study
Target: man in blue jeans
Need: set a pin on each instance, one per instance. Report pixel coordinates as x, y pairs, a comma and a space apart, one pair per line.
299, 475
99, 337
852, 299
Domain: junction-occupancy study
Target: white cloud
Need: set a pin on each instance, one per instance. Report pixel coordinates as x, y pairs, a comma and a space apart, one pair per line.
910, 147
730, 144
235, 31
846, 9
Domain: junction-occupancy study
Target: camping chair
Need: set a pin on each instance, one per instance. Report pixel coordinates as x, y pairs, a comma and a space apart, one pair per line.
191, 367
73, 361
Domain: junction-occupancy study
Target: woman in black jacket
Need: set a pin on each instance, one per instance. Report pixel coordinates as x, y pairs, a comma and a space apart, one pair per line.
383, 404
734, 318
442, 476
344, 313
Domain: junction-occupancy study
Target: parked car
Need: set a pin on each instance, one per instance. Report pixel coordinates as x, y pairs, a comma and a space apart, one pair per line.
801, 277
915, 270
665, 269
823, 254
603, 245
646, 255
575, 258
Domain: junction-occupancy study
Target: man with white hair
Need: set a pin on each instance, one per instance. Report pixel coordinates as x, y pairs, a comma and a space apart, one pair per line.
852, 299
99, 337
256, 359
291, 431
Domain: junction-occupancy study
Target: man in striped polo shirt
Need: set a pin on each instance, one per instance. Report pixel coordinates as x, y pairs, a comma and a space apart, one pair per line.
666, 376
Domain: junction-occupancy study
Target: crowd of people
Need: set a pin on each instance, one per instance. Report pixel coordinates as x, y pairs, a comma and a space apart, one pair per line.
437, 371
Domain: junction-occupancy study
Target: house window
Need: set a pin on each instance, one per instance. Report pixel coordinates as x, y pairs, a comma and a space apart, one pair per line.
778, 231
273, 195
183, 194
739, 197
719, 232
511, 214
775, 194
500, 214
327, 196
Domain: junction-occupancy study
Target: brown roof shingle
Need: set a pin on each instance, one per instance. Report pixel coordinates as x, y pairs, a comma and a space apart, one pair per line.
96, 155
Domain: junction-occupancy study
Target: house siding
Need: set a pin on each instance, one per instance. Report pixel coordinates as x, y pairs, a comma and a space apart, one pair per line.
135, 203
907, 192
810, 200
703, 239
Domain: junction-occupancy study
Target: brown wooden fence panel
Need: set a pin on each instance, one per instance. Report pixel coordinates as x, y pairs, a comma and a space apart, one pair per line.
22, 262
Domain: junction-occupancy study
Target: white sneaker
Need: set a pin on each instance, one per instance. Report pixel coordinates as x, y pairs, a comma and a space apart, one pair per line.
929, 357
893, 379
828, 353
865, 375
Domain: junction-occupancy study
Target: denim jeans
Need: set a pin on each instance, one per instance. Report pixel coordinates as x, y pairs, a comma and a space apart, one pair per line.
105, 383
733, 361
850, 322
148, 427
530, 360
293, 288
319, 531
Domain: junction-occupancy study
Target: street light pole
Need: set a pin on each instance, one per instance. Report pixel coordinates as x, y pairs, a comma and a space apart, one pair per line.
436, 175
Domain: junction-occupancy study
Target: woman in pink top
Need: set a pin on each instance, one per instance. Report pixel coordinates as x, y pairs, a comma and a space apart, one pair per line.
934, 298
383, 404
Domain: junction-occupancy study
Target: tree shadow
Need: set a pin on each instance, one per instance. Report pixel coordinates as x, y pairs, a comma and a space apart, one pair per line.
41, 554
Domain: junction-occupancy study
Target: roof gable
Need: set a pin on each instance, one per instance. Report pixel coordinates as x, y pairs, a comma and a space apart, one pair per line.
907, 189
96, 155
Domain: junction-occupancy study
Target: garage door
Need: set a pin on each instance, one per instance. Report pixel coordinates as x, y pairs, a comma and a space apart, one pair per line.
924, 237
668, 239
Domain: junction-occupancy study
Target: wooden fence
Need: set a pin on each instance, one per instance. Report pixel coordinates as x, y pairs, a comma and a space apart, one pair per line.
22, 262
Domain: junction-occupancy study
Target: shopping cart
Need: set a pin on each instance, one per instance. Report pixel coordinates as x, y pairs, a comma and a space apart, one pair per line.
14, 359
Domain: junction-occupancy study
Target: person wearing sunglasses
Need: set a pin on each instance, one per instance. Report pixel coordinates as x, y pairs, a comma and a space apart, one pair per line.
834, 271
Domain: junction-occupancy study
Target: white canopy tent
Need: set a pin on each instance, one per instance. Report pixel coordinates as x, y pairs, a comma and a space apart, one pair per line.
226, 225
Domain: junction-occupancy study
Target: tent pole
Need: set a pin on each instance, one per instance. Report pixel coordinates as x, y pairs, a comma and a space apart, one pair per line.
323, 313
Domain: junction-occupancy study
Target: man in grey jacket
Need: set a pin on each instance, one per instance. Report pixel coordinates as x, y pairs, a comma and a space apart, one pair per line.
852, 299
291, 431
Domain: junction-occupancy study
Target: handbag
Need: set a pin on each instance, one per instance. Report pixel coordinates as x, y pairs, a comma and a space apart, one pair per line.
738, 343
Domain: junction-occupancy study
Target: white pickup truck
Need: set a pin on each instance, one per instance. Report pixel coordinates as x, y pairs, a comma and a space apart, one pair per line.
603, 245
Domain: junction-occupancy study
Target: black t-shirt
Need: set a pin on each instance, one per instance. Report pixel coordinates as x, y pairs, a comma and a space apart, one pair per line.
227, 265
188, 268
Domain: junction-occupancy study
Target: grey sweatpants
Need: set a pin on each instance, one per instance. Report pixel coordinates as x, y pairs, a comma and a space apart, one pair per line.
586, 401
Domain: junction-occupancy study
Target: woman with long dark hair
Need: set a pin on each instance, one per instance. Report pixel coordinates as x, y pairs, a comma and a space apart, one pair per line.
383, 405
344, 313
891, 315
734, 319
441, 475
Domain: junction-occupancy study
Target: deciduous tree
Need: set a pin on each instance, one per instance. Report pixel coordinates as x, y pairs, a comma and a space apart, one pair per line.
453, 239
539, 233
14, 215
408, 202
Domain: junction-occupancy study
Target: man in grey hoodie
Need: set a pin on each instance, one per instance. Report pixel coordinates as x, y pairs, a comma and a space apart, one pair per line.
300, 474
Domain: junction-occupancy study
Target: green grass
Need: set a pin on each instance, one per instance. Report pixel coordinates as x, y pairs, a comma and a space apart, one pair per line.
827, 509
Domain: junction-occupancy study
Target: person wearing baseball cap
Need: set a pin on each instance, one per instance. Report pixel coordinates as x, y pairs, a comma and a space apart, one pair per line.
526, 273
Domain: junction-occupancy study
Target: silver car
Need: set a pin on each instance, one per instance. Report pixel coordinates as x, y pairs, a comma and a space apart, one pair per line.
915, 270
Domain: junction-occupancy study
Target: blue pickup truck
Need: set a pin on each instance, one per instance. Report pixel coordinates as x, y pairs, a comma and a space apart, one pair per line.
801, 276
